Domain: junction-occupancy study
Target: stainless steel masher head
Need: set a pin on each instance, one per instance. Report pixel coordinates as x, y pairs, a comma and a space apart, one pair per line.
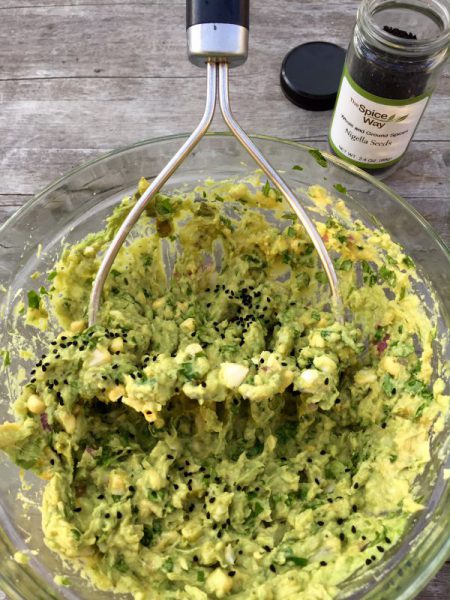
217, 38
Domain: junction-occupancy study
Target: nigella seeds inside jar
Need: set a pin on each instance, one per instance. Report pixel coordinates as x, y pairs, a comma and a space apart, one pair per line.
391, 69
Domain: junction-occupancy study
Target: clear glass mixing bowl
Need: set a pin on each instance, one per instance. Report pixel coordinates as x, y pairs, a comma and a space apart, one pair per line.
76, 204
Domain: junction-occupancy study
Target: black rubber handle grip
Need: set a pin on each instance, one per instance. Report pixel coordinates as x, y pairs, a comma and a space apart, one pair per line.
235, 12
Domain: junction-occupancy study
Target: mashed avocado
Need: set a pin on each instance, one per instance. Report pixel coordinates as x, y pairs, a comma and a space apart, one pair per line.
218, 432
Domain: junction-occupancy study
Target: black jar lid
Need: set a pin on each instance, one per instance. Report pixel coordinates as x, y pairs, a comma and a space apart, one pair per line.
310, 75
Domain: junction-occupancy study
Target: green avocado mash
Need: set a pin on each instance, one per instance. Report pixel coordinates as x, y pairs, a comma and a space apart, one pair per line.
219, 433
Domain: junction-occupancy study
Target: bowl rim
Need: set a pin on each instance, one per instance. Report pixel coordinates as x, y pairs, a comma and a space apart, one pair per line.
212, 134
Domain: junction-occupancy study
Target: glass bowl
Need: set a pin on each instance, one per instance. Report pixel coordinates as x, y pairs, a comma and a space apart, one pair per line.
77, 203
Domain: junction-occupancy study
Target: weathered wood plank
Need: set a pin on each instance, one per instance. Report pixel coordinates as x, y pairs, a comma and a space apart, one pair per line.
130, 40
439, 587
107, 112
26, 170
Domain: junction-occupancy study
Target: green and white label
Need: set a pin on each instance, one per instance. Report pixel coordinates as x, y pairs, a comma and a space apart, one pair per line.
371, 131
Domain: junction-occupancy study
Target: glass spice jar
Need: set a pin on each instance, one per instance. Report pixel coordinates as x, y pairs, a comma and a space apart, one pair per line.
390, 72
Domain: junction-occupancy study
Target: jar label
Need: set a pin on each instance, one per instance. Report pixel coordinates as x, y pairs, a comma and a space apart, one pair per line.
370, 131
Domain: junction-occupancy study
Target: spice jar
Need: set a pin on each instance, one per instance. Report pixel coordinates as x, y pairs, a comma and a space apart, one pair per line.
390, 71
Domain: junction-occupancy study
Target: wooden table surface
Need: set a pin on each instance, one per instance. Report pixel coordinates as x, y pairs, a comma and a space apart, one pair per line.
80, 77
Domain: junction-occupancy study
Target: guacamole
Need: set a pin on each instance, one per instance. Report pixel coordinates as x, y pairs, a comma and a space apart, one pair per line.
219, 432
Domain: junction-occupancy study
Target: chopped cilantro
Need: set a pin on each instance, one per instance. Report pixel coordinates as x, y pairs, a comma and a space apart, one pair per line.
340, 188
257, 509
164, 206
297, 168
200, 576
227, 222
121, 565
291, 232
369, 274
344, 265
379, 334
387, 275
266, 189
321, 276
51, 276
388, 385
318, 157
33, 299
408, 262
187, 371
168, 565
298, 561
6, 358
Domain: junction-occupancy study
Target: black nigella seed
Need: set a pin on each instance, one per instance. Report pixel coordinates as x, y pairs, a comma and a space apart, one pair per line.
208, 515
320, 523
195, 558
231, 573
309, 460
101, 497
388, 541
353, 529
131, 488
340, 521
78, 509
354, 508
267, 548
107, 515
273, 568
52, 461
322, 453
356, 485
169, 456
383, 425
323, 563
119, 515
317, 480
368, 561
341, 537
176, 486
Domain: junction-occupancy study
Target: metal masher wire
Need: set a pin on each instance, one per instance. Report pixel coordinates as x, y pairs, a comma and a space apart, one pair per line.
154, 187
217, 38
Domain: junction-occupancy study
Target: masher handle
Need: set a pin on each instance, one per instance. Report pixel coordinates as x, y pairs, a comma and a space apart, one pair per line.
217, 31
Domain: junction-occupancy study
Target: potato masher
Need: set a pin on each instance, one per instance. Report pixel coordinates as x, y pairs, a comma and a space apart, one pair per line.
217, 38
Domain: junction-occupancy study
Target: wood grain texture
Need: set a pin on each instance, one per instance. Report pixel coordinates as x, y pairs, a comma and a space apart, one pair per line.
80, 77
